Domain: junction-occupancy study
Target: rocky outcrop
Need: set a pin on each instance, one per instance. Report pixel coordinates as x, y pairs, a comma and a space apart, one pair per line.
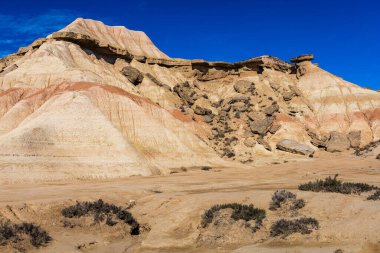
337, 142
292, 146
238, 111
302, 58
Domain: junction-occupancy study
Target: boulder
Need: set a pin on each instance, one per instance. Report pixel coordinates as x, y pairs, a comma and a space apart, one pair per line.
244, 86
208, 118
132, 74
294, 147
241, 107
250, 142
337, 142
288, 95
261, 127
201, 110
355, 138
270, 110
254, 115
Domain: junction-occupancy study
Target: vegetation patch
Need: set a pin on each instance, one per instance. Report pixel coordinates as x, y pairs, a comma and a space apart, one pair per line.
240, 212
279, 198
330, 184
11, 233
285, 227
374, 196
102, 211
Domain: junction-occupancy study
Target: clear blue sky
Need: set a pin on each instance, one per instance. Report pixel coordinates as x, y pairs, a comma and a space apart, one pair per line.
344, 36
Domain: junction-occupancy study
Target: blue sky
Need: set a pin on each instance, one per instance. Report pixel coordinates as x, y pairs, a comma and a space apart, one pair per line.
344, 36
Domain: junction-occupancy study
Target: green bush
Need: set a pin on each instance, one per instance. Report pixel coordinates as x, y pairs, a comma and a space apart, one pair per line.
374, 196
330, 184
240, 212
102, 211
10, 232
285, 227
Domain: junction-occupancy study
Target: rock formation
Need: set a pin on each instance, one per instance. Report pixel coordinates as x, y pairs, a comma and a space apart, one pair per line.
107, 100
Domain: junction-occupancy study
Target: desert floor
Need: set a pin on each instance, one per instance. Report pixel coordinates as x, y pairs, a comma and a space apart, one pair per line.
169, 209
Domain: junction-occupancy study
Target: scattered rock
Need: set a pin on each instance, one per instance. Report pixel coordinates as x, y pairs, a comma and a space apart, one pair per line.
337, 142
292, 146
241, 107
208, 118
250, 142
228, 152
254, 115
261, 126
274, 128
244, 86
264, 143
133, 74
201, 110
288, 95
355, 138
270, 110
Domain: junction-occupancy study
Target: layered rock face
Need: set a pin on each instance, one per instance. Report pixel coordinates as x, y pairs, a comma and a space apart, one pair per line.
107, 100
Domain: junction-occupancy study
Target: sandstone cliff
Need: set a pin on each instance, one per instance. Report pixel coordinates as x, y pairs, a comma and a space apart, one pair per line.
97, 101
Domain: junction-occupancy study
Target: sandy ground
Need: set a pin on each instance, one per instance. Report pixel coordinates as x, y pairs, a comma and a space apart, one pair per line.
169, 208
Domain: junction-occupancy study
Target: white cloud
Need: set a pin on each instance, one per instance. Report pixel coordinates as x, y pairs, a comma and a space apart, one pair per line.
20, 30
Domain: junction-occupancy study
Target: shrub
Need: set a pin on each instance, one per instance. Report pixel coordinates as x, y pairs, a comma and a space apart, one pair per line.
13, 232
374, 196
334, 185
284, 227
101, 211
240, 212
280, 197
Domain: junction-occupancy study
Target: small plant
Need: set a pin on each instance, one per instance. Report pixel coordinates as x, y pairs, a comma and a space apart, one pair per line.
240, 212
102, 211
283, 196
374, 196
334, 185
284, 227
10, 232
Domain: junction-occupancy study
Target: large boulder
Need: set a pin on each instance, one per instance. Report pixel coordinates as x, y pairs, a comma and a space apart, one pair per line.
355, 138
337, 142
132, 74
244, 86
292, 146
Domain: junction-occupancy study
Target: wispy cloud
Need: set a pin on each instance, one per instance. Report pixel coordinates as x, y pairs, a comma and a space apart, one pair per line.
20, 30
